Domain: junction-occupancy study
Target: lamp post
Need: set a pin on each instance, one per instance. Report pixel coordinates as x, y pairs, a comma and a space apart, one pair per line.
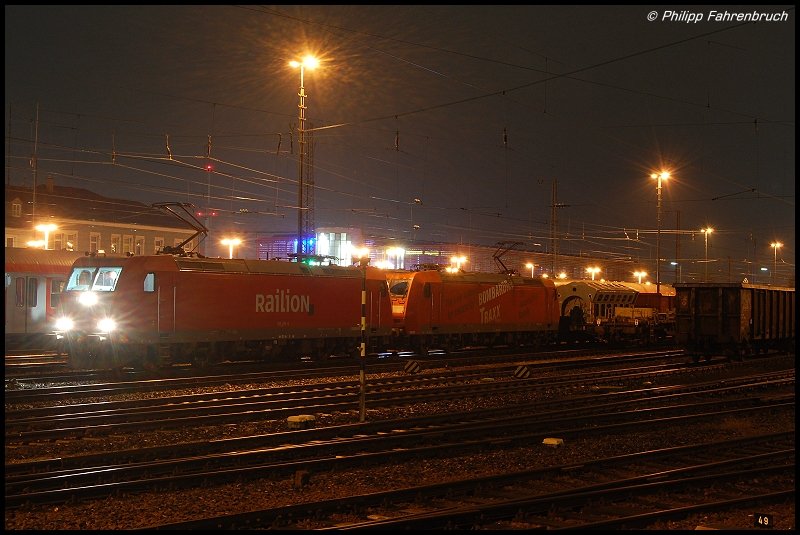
530, 265
47, 229
308, 62
593, 271
640, 274
231, 242
706, 231
775, 245
663, 175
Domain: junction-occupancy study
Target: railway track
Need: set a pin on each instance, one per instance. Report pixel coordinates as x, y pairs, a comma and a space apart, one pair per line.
69, 479
77, 420
628, 490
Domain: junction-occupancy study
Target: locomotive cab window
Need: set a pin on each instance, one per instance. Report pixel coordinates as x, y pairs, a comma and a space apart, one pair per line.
106, 279
80, 279
398, 287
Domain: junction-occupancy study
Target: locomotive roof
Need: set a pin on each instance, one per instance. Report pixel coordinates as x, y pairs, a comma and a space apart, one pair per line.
234, 265
492, 278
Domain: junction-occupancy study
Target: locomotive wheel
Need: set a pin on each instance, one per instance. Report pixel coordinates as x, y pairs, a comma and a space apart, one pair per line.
150, 360
201, 360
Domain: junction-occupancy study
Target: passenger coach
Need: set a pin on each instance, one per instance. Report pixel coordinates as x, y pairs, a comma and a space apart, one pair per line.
34, 279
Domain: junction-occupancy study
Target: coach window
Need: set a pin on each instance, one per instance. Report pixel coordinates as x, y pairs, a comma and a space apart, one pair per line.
56, 287
33, 284
20, 285
150, 282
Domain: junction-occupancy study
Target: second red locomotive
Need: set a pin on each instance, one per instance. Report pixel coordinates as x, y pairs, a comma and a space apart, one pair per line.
434, 309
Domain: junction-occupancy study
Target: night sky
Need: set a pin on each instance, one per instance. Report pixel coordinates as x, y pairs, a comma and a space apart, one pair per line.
475, 111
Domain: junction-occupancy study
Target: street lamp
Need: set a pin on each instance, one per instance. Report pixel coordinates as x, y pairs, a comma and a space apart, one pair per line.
593, 271
640, 274
663, 175
308, 62
458, 260
231, 242
47, 229
775, 245
706, 231
398, 253
531, 266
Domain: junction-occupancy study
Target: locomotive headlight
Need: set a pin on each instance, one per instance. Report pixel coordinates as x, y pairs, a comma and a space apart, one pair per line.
88, 299
106, 325
64, 324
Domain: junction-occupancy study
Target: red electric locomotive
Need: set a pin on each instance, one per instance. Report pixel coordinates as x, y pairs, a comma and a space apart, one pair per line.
434, 309
163, 309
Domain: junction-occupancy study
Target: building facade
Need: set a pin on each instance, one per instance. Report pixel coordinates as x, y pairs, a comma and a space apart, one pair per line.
81, 220
76, 219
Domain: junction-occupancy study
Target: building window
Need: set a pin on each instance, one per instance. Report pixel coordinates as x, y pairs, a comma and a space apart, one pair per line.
58, 241
11, 241
115, 243
72, 241
127, 244
16, 208
94, 242
139, 250
158, 244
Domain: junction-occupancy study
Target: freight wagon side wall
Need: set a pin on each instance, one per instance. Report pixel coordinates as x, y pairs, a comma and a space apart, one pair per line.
773, 314
733, 315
